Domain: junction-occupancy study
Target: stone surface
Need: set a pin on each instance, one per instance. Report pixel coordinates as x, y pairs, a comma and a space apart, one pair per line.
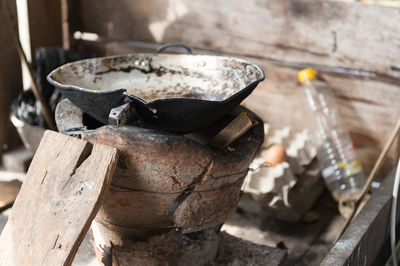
236, 251
305, 243
208, 247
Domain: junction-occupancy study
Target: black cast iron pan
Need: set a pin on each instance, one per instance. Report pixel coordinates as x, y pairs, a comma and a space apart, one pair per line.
174, 92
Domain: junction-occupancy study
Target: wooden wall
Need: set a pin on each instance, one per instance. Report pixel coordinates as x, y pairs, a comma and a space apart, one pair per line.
356, 47
45, 30
10, 83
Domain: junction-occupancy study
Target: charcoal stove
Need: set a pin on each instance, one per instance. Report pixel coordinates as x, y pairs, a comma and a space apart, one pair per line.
166, 185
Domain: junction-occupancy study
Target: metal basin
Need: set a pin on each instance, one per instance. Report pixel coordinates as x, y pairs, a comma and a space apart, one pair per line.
178, 93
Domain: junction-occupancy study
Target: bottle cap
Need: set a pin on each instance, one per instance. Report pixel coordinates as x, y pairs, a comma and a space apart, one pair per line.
307, 74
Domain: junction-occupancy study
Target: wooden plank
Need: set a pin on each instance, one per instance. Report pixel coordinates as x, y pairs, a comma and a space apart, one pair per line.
66, 35
57, 202
322, 244
236, 128
10, 82
334, 33
365, 240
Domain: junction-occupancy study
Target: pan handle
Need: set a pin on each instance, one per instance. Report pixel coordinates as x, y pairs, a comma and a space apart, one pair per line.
173, 45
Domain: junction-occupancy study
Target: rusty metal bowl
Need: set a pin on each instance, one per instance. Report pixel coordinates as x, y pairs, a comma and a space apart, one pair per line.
179, 93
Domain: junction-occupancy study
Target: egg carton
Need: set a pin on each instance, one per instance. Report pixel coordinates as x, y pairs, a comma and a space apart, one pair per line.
299, 147
274, 184
277, 180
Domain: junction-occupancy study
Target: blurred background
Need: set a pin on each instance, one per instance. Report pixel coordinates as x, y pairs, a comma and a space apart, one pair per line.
354, 46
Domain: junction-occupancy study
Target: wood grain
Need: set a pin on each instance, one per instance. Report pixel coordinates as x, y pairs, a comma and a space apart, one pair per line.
366, 240
333, 33
10, 82
232, 131
59, 198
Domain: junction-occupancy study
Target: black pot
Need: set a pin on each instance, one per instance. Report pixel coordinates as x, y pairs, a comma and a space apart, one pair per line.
179, 93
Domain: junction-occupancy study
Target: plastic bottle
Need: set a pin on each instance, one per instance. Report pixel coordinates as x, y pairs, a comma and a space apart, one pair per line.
341, 169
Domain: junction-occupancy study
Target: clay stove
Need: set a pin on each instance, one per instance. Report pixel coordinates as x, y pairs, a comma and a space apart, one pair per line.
170, 194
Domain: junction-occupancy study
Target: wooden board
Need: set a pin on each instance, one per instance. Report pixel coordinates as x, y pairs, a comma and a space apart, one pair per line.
59, 198
366, 240
334, 33
10, 82
236, 128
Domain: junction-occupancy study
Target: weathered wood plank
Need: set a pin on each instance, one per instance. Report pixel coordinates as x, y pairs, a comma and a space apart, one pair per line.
57, 202
364, 240
10, 82
332, 33
236, 128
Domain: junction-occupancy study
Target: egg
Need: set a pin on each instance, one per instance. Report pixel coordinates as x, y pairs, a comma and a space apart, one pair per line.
275, 154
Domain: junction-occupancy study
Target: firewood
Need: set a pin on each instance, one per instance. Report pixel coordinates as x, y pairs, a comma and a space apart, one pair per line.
240, 125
